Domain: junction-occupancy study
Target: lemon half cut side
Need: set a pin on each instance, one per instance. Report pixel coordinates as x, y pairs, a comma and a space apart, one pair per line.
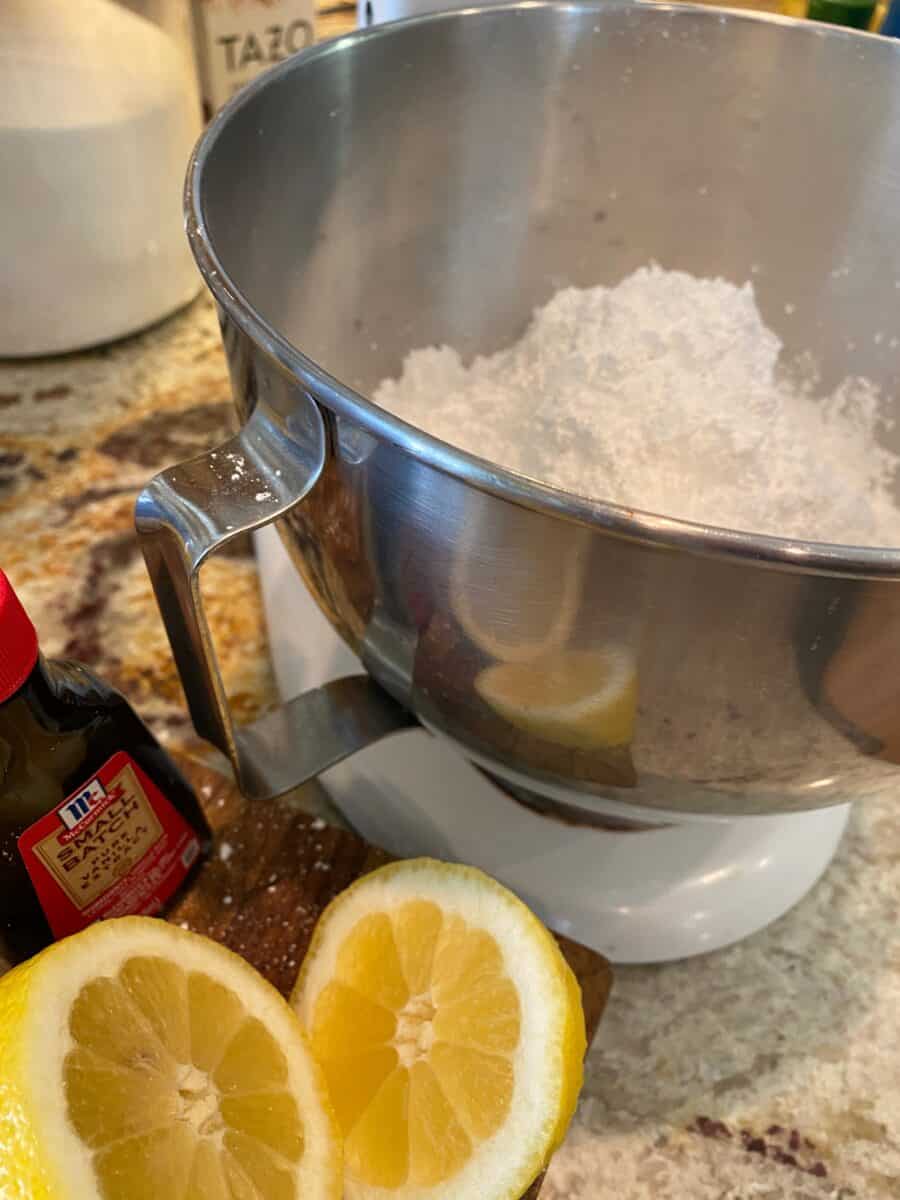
450, 1030
142, 1062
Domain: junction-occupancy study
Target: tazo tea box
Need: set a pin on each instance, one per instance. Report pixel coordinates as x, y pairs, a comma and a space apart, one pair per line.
238, 39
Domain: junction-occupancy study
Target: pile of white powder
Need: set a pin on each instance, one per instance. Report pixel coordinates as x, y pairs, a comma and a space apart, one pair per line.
664, 393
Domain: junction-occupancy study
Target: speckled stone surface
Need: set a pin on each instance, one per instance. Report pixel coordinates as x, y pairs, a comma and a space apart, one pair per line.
80, 436
770, 1070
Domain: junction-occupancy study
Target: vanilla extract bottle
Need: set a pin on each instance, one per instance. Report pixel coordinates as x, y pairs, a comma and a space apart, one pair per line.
95, 819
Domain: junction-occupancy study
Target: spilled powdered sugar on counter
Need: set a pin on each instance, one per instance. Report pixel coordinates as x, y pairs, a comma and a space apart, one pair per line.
666, 393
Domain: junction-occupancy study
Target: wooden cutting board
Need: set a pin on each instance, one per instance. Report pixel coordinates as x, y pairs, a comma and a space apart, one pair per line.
272, 871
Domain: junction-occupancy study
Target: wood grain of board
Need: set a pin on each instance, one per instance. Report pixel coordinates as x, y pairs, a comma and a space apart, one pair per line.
272, 871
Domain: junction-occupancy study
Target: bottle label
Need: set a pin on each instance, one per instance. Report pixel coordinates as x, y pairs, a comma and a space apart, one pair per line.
114, 847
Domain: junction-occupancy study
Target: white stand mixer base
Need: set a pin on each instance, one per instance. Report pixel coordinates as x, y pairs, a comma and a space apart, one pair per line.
637, 897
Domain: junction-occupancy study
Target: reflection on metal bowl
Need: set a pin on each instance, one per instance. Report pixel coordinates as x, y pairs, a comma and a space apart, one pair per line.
444, 184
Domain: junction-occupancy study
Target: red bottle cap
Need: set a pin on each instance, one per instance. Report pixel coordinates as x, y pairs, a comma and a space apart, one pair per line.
18, 641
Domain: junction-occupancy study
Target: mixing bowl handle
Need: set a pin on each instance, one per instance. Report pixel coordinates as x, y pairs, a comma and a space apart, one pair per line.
191, 510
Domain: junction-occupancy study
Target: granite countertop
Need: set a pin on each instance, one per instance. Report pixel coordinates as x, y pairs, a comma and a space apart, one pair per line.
770, 1070
80, 435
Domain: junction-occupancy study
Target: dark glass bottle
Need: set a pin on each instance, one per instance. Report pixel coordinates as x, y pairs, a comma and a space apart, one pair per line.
95, 819
857, 14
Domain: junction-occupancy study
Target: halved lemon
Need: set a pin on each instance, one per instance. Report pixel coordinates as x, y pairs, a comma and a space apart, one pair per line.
142, 1062
583, 699
450, 1030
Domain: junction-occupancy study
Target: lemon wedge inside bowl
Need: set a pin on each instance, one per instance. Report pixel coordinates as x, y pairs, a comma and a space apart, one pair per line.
517, 602
583, 699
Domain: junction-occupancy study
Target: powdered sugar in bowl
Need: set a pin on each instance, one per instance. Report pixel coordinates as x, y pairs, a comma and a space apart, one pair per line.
454, 173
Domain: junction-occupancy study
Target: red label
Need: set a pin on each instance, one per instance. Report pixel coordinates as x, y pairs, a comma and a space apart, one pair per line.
116, 846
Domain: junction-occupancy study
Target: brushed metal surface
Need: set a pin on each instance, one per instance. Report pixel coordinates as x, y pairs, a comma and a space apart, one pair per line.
432, 182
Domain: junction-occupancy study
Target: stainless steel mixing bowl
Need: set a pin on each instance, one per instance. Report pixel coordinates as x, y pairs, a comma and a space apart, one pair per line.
432, 182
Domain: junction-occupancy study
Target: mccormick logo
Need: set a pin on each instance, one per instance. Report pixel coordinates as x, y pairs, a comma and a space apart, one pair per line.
79, 807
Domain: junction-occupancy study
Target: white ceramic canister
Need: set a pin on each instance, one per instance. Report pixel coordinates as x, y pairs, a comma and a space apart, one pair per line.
99, 111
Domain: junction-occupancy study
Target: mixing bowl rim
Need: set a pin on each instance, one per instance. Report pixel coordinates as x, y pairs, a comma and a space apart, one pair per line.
672, 533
